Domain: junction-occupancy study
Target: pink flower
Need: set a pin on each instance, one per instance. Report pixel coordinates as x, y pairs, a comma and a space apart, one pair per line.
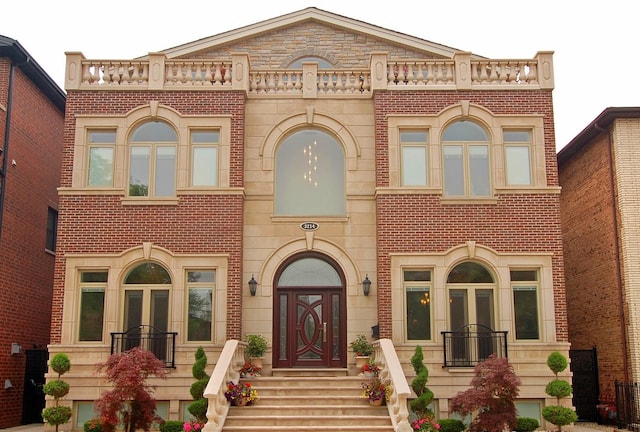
187, 427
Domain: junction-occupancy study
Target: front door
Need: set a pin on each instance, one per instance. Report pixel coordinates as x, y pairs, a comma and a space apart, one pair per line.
310, 316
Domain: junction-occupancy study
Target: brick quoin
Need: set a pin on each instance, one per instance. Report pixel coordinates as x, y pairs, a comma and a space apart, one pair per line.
101, 224
517, 223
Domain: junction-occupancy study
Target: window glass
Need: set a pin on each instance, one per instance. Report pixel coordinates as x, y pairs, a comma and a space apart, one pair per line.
148, 273
466, 160
101, 149
85, 411
92, 294
153, 156
518, 157
414, 158
310, 175
418, 300
469, 272
204, 154
322, 63
525, 303
530, 409
310, 272
52, 229
200, 304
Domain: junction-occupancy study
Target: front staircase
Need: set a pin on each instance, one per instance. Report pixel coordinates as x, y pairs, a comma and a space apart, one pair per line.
309, 401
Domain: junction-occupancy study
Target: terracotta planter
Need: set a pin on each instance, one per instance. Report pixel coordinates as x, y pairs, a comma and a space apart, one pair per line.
376, 402
361, 361
256, 361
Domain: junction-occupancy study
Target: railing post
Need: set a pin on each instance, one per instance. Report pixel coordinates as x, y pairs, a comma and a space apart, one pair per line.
545, 69
462, 71
157, 71
309, 80
378, 66
240, 72
73, 76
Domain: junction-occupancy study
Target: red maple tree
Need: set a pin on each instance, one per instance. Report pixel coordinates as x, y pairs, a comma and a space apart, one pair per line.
130, 403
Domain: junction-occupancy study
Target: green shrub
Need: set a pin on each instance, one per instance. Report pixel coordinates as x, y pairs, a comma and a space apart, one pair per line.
256, 345
526, 424
172, 426
451, 425
361, 346
200, 365
56, 388
93, 425
198, 408
197, 389
60, 363
557, 362
56, 415
559, 415
558, 388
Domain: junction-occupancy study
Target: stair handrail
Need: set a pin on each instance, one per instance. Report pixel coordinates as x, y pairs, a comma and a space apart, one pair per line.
227, 369
384, 354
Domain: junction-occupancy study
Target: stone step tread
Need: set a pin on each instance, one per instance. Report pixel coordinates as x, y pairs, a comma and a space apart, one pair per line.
286, 428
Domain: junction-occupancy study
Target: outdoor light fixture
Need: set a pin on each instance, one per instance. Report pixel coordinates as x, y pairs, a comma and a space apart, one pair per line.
253, 286
366, 285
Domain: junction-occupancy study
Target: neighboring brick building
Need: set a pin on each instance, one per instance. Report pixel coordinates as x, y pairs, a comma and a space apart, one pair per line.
598, 172
310, 153
31, 129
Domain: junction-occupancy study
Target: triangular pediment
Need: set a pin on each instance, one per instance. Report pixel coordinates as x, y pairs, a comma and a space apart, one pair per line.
310, 32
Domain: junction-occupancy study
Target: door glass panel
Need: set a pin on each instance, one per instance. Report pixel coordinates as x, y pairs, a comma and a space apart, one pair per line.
310, 321
283, 326
309, 272
132, 309
484, 307
335, 326
160, 309
458, 308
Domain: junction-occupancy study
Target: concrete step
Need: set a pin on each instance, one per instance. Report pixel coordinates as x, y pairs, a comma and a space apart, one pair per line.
241, 419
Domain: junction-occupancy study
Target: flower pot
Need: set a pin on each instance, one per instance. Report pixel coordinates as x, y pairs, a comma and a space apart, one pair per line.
242, 402
375, 402
361, 361
256, 361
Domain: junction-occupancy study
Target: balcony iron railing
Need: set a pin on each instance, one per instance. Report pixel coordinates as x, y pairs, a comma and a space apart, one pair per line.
162, 344
471, 344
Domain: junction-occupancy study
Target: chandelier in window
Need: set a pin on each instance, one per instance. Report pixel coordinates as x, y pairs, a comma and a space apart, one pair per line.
311, 171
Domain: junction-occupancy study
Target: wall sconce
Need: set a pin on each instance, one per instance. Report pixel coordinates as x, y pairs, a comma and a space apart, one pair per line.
16, 348
253, 286
366, 285
7, 384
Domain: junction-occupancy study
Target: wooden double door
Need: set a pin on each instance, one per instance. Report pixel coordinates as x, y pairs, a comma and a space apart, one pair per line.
309, 314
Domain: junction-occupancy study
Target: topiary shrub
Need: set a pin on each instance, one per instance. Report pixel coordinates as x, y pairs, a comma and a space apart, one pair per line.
58, 414
451, 425
93, 425
558, 415
198, 408
172, 426
420, 405
526, 424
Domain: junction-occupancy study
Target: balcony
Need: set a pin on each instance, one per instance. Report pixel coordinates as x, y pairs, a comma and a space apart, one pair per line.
472, 344
161, 344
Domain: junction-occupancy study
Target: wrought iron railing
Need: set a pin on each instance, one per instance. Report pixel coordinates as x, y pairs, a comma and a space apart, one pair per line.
471, 344
627, 410
162, 344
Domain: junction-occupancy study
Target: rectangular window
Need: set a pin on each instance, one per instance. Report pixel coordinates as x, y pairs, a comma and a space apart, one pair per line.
414, 158
204, 154
139, 171
200, 287
52, 229
93, 285
85, 411
525, 303
165, 171
517, 146
101, 151
418, 298
453, 170
479, 170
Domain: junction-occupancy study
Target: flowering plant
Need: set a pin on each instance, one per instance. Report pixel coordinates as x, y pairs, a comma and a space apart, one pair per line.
371, 368
249, 369
376, 389
240, 393
193, 426
425, 424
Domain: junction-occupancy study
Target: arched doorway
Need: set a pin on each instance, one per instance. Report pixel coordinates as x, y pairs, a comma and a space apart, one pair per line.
309, 313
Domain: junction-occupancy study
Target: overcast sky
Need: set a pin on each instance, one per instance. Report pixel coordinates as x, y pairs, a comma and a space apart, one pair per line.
595, 44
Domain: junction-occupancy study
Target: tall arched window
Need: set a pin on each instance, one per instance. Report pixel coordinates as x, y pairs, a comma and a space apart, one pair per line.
470, 286
152, 160
310, 175
465, 148
146, 297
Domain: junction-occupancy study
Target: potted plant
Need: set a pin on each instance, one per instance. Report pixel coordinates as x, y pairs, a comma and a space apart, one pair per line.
376, 391
249, 370
370, 369
240, 394
362, 350
256, 347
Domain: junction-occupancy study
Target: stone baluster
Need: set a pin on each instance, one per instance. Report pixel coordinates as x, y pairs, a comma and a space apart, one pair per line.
208, 75
217, 76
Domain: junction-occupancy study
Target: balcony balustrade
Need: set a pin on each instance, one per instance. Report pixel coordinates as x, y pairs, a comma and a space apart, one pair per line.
161, 344
472, 344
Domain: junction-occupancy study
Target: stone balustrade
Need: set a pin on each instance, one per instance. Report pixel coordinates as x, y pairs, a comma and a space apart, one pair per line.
462, 72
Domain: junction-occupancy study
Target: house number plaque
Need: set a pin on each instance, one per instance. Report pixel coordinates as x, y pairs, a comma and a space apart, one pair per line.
309, 226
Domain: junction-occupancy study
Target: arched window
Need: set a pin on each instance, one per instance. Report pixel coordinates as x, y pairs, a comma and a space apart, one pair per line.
152, 160
146, 297
470, 286
310, 175
322, 63
465, 148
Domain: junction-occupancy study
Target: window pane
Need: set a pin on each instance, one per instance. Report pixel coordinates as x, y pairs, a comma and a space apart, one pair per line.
464, 131
310, 272
154, 131
469, 272
413, 136
524, 275
91, 314
479, 170
148, 273
201, 276
52, 229
199, 326
98, 276
525, 304
414, 166
517, 136
205, 137
165, 178
86, 412
518, 165
310, 175
102, 137
453, 171
418, 313
100, 166
417, 275
205, 166
139, 171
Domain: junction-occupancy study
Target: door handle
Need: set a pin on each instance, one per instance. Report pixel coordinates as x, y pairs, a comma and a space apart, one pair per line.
324, 332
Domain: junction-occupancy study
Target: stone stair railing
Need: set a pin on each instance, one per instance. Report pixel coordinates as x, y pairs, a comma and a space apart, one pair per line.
157, 72
385, 356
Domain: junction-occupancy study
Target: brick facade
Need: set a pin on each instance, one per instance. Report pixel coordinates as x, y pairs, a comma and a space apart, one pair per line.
26, 269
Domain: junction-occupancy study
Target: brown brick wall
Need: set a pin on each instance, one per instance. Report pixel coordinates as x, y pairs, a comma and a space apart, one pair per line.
421, 223
197, 224
26, 270
591, 261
